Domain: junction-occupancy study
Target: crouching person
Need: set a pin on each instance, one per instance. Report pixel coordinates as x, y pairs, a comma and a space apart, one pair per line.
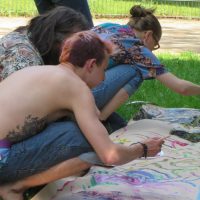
36, 147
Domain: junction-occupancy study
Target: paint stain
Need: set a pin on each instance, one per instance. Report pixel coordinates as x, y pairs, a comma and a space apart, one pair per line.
121, 140
93, 181
63, 186
178, 143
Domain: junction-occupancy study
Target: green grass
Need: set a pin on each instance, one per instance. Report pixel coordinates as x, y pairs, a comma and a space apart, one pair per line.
109, 8
186, 66
17, 8
164, 9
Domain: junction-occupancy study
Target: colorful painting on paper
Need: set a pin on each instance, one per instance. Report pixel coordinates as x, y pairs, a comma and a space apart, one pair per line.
174, 174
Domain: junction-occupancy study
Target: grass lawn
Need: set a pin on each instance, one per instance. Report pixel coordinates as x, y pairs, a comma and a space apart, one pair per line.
163, 8
17, 8
109, 7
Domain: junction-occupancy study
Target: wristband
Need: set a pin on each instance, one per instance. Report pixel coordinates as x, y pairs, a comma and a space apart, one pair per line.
145, 149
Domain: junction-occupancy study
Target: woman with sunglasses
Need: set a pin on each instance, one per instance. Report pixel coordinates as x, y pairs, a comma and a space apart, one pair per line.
134, 62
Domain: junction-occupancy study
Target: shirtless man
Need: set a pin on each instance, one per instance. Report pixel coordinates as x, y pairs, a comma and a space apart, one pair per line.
34, 148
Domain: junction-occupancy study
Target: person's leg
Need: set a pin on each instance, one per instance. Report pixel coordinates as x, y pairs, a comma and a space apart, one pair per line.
120, 83
116, 78
45, 157
78, 5
114, 122
14, 191
59, 142
43, 5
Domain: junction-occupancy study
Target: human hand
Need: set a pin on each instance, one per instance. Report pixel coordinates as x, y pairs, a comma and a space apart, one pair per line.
154, 145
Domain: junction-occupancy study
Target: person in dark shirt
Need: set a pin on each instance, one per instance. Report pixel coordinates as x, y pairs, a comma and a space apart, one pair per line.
78, 5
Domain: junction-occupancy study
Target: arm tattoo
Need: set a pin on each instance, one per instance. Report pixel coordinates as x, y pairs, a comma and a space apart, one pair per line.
32, 126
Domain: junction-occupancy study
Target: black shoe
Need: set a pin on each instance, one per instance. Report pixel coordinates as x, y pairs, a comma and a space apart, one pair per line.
114, 122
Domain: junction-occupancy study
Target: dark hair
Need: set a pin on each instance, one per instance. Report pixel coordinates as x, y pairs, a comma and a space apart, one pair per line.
48, 31
143, 19
85, 45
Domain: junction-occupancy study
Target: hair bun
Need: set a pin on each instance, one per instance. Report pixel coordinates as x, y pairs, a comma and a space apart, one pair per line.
138, 11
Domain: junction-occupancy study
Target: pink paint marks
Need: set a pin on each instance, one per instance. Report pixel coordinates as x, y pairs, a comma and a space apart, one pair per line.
63, 186
178, 143
61, 189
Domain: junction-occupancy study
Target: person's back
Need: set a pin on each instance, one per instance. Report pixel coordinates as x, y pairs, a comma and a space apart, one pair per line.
30, 99
36, 96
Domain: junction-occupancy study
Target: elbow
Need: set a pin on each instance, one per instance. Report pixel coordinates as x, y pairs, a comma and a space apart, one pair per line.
184, 88
185, 91
111, 157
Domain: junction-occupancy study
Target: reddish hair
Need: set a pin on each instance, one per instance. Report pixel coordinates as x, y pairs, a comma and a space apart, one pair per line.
85, 45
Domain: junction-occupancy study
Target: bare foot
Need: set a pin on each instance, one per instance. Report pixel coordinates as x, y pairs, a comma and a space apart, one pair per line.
7, 192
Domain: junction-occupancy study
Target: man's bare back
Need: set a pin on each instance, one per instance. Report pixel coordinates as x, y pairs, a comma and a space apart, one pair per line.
42, 88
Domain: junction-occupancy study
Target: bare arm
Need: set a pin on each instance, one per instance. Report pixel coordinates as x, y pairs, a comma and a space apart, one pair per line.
120, 97
179, 85
169, 80
109, 152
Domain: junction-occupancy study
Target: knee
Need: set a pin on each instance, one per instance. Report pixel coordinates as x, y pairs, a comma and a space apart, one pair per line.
133, 84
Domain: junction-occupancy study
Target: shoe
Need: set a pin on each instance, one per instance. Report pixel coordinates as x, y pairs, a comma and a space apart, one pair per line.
114, 122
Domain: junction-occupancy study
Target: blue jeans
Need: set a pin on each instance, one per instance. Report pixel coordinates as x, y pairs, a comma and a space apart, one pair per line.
78, 5
121, 76
61, 141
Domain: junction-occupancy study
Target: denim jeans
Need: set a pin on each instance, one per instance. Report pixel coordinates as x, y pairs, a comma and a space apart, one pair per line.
78, 5
121, 76
61, 141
